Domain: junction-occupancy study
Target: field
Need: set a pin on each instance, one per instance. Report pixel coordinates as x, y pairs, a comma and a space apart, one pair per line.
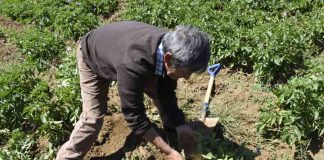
269, 95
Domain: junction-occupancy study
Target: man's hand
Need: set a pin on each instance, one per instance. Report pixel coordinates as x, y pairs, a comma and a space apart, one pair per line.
174, 155
187, 139
152, 136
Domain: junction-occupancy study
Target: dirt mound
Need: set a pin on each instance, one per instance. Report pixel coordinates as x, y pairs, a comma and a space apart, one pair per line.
111, 138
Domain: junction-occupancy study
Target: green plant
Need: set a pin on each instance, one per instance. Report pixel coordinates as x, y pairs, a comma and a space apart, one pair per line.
71, 22
99, 7
20, 146
45, 109
281, 52
41, 48
296, 115
27, 102
213, 148
69, 18
271, 38
67, 91
2, 33
14, 95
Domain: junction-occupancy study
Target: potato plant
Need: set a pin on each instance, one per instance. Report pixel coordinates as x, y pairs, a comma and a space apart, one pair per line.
33, 106
297, 114
253, 35
67, 90
41, 47
212, 148
29, 105
2, 34
69, 18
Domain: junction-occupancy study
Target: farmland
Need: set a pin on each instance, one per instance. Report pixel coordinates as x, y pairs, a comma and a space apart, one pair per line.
269, 95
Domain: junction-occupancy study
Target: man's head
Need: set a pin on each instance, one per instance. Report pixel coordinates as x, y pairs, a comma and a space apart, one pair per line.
186, 51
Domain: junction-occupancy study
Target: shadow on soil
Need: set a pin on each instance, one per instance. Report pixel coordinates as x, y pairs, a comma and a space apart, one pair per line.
315, 150
220, 147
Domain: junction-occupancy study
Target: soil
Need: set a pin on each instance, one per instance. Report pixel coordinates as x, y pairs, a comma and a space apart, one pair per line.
8, 51
8, 23
236, 100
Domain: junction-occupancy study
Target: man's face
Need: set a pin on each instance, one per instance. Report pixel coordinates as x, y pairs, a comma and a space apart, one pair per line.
176, 73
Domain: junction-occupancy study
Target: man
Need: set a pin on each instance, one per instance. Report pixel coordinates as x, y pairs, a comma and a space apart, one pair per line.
142, 59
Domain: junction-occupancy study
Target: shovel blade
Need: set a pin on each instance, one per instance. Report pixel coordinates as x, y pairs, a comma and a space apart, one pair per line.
204, 128
211, 122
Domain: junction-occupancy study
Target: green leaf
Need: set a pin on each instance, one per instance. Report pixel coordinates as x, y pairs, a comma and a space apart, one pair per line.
321, 132
43, 118
209, 156
316, 115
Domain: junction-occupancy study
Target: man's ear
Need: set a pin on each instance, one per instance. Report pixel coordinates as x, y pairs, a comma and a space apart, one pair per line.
167, 59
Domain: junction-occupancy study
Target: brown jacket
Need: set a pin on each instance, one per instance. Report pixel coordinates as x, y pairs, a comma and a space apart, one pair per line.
126, 52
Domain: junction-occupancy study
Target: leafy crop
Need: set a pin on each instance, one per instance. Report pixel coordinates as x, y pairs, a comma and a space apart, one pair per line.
214, 148
297, 114
28, 102
38, 111
72, 22
24, 105
20, 146
69, 18
67, 90
272, 38
99, 7
40, 47
14, 95
2, 34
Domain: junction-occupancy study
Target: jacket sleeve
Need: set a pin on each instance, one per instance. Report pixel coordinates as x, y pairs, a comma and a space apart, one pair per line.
170, 113
130, 87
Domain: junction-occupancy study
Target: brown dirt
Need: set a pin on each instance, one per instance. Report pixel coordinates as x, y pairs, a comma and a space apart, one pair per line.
8, 54
6, 49
236, 99
10, 24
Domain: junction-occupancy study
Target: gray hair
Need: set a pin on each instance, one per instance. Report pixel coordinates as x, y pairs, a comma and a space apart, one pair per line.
189, 48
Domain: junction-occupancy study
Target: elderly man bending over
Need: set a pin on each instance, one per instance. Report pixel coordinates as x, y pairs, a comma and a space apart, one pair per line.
142, 59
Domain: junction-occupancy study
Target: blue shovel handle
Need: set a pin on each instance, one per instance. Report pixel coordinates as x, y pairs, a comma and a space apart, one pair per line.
214, 69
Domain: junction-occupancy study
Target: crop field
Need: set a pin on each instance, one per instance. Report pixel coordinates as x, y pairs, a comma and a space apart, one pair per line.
269, 95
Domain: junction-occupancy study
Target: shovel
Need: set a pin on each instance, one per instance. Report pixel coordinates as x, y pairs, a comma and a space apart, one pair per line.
210, 122
206, 125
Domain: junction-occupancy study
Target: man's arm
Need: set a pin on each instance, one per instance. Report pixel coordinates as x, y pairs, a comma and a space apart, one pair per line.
173, 116
130, 88
152, 136
167, 103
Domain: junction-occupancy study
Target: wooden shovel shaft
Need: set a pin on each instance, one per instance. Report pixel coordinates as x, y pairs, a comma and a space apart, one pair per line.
207, 96
209, 88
